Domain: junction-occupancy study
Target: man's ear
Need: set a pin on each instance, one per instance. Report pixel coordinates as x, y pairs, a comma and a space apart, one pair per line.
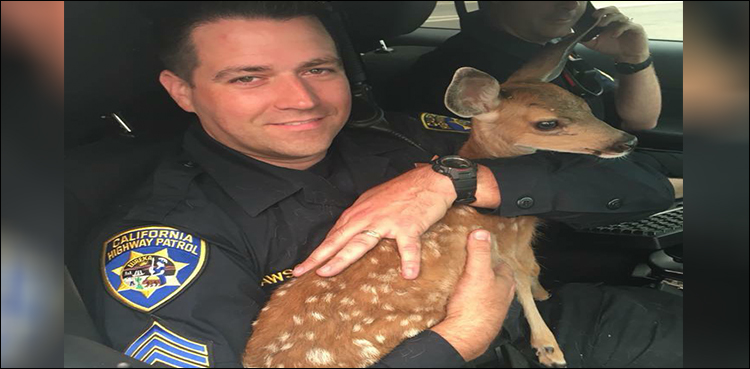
179, 89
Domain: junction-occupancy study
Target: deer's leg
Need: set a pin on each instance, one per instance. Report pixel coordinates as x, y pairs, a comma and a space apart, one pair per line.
542, 339
539, 293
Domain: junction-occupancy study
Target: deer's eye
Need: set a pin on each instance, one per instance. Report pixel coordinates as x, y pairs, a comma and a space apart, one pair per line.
546, 125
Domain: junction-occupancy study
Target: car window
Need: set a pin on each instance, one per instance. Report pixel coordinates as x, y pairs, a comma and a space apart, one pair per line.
661, 19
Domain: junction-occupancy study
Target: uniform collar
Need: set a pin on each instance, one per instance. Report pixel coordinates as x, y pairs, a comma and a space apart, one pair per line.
256, 185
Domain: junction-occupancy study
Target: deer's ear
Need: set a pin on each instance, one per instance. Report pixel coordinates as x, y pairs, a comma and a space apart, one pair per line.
549, 62
472, 92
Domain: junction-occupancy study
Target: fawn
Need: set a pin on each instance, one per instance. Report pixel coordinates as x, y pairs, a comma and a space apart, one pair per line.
355, 318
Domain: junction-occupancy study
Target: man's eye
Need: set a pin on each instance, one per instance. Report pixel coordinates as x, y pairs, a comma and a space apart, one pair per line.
320, 70
244, 79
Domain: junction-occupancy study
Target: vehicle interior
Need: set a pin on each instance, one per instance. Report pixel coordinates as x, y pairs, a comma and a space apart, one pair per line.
119, 121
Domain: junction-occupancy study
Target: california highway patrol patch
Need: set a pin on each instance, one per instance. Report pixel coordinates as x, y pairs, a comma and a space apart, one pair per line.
144, 268
445, 124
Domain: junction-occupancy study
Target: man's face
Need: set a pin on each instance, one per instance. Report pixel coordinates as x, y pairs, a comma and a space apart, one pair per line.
540, 21
273, 90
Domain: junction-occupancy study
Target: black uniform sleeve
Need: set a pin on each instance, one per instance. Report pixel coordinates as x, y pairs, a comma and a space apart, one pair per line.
205, 322
425, 350
579, 190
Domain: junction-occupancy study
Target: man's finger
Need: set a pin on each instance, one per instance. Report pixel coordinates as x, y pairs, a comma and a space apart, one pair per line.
410, 249
333, 243
352, 251
611, 18
479, 253
622, 28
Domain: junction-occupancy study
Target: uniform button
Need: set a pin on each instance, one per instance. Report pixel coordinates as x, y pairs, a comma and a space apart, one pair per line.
614, 204
188, 164
525, 202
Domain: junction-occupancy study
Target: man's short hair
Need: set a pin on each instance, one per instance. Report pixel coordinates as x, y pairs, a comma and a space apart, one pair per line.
176, 47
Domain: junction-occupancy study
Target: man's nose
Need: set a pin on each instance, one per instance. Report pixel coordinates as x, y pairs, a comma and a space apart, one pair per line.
295, 93
569, 5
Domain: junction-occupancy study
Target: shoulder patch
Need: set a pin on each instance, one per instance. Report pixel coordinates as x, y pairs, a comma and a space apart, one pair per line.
445, 124
159, 345
144, 268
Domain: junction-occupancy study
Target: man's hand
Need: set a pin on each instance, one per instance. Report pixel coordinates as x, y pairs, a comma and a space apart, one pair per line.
477, 309
402, 209
621, 39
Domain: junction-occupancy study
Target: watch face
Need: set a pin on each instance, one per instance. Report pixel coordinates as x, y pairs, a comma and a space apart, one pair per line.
458, 163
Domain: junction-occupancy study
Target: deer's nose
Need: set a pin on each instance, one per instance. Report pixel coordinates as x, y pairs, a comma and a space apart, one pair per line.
627, 144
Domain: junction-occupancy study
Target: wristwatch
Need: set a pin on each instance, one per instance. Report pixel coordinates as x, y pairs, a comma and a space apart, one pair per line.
463, 173
627, 68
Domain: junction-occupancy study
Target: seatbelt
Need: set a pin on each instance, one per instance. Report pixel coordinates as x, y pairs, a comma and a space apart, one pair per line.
366, 113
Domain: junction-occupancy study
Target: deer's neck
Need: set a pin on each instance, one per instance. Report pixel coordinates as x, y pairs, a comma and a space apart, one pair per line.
482, 144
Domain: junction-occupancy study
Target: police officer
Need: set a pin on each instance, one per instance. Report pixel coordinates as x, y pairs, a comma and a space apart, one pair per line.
268, 178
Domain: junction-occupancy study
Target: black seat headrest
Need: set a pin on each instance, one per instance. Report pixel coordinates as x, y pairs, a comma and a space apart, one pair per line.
368, 22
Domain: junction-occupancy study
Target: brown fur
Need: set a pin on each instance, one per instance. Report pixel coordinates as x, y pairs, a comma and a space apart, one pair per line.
355, 318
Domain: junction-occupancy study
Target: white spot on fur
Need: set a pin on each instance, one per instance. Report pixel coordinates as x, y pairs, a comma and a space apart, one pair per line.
284, 337
368, 350
357, 328
347, 301
310, 336
255, 323
374, 261
368, 288
328, 297
388, 307
386, 248
411, 333
368, 321
362, 342
342, 286
323, 284
272, 347
385, 288
405, 322
281, 293
318, 356
269, 361
514, 226
311, 299
375, 299
431, 322
400, 292
264, 309
317, 316
344, 316
298, 320
500, 226
390, 318
356, 313
415, 318
380, 338
286, 346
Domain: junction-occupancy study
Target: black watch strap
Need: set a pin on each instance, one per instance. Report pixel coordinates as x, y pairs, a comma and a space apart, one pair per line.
466, 189
627, 68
